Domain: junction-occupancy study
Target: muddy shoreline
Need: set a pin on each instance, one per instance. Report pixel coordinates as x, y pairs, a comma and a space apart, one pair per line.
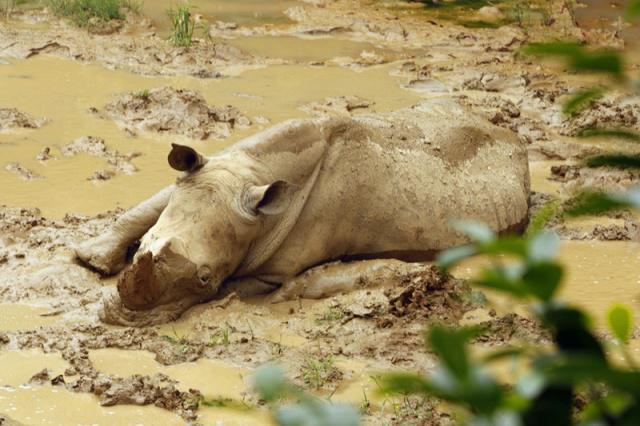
84, 133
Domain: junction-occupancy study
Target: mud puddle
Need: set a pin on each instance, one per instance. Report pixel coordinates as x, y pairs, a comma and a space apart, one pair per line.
67, 90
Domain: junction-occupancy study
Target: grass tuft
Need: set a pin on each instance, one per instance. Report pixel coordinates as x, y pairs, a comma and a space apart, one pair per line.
182, 25
87, 13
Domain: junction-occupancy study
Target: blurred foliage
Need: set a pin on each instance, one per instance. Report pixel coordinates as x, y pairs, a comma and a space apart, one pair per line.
557, 374
291, 406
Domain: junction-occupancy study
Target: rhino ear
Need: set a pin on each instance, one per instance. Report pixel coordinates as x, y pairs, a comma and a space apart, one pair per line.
269, 199
185, 159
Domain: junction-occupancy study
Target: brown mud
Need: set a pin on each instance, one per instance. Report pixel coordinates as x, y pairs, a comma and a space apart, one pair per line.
113, 104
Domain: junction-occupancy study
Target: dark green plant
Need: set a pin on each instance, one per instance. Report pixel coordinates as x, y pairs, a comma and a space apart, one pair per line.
545, 392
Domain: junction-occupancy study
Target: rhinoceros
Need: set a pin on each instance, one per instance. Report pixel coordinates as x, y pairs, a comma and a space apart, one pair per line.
311, 204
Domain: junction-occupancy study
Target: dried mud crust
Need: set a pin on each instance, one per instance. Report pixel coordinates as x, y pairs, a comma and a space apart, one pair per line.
11, 118
176, 111
145, 53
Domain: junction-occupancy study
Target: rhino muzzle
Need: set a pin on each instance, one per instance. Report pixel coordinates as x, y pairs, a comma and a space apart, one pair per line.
137, 285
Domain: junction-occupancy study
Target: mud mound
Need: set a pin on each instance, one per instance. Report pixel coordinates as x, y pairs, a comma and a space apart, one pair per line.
13, 118
182, 112
509, 327
603, 114
429, 294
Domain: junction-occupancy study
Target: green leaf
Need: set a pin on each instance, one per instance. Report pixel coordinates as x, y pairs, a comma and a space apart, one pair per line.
516, 246
542, 279
543, 246
580, 59
594, 203
619, 161
449, 258
404, 383
477, 231
598, 62
450, 346
553, 49
544, 215
621, 133
502, 354
633, 10
581, 100
620, 322
505, 279
269, 382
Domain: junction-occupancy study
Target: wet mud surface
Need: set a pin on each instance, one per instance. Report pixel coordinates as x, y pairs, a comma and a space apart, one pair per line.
74, 156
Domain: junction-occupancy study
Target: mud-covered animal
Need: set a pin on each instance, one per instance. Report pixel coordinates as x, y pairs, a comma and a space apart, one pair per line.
272, 211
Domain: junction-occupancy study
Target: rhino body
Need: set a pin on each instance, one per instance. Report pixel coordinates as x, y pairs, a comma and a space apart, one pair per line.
307, 192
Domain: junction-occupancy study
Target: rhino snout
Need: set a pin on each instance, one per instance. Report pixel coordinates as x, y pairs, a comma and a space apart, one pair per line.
137, 285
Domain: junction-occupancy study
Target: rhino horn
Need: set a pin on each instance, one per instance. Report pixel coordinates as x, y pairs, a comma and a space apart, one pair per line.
136, 285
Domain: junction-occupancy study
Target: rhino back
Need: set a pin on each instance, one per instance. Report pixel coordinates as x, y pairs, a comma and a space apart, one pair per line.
393, 183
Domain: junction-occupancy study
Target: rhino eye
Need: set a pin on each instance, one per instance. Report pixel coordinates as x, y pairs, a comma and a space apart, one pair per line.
204, 275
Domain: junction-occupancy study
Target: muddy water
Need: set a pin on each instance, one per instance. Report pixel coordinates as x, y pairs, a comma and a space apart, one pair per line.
29, 363
66, 90
49, 405
22, 317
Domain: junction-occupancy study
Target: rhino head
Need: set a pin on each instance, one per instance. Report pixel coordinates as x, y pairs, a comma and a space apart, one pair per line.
216, 211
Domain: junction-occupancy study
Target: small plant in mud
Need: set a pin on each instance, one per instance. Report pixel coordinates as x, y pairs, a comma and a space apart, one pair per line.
89, 13
182, 342
291, 406
142, 94
182, 26
316, 372
220, 337
330, 315
575, 366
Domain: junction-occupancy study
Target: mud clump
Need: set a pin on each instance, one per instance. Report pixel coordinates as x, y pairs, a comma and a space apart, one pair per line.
22, 171
181, 111
339, 105
11, 118
509, 327
96, 147
429, 294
